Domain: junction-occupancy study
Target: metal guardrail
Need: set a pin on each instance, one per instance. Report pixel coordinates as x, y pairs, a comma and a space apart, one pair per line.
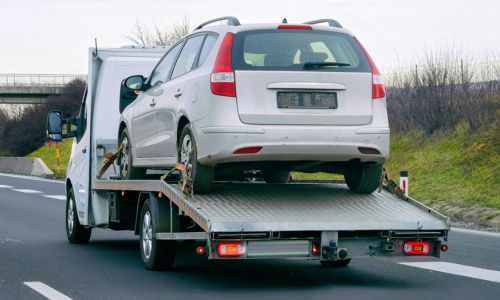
38, 79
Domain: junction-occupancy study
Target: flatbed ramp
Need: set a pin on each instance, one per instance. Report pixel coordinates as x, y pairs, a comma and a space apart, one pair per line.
260, 207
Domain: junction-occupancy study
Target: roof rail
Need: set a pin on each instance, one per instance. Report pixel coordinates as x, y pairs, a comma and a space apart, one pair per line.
232, 21
331, 22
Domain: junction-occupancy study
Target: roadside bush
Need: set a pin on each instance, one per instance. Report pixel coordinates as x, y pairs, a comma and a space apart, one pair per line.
443, 91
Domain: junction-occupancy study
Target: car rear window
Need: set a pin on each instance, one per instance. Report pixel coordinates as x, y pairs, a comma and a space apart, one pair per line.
309, 50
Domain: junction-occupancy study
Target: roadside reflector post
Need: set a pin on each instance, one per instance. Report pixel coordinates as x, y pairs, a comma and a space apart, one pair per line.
403, 181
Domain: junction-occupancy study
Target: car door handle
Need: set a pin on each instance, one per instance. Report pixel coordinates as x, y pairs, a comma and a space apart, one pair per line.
178, 93
153, 102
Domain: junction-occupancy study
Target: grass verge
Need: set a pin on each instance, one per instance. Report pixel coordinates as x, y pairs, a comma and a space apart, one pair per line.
48, 155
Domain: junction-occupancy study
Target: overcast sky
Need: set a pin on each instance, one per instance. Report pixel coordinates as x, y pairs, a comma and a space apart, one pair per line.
52, 36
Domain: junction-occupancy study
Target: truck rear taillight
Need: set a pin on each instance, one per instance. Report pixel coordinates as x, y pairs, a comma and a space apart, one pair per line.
232, 249
222, 80
378, 88
417, 248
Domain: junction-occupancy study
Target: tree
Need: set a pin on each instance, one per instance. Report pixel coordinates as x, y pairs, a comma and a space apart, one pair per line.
144, 35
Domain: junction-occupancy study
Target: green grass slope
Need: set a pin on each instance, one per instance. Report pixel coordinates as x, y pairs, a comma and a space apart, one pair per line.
48, 155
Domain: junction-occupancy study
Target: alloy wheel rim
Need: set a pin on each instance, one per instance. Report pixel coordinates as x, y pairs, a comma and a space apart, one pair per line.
124, 167
147, 235
71, 217
186, 149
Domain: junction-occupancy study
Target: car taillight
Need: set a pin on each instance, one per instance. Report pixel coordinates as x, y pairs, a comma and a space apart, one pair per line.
378, 88
231, 249
417, 248
222, 80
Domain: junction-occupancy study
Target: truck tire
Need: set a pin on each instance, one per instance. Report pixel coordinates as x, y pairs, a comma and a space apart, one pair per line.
201, 175
125, 160
365, 179
156, 254
276, 176
76, 233
335, 263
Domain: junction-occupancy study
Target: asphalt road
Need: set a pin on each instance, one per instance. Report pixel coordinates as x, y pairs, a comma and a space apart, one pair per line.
35, 256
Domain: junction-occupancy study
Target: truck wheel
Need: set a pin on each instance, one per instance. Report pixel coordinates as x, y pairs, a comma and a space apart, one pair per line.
201, 175
76, 233
127, 171
276, 176
156, 254
335, 263
365, 179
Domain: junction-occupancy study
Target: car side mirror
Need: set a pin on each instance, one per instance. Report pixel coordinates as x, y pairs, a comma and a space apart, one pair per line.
135, 82
54, 126
130, 88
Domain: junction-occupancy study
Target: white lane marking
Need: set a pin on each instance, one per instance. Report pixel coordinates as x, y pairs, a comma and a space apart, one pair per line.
479, 232
2, 186
457, 269
57, 197
46, 290
27, 191
33, 178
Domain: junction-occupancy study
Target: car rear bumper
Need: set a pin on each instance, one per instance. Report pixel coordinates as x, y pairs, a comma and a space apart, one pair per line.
216, 145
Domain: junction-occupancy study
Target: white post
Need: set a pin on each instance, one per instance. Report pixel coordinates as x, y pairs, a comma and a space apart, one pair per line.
403, 181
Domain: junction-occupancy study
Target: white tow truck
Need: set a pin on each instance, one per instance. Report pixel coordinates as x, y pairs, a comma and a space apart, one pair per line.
320, 221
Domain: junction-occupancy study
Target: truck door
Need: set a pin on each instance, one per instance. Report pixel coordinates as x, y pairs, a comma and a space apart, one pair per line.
78, 166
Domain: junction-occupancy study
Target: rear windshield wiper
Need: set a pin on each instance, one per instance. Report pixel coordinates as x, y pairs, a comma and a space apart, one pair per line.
318, 65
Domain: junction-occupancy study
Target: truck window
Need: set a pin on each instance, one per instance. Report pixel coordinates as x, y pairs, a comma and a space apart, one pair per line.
160, 73
82, 118
186, 59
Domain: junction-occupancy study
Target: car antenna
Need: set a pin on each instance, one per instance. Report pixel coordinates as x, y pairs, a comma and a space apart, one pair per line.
95, 50
284, 21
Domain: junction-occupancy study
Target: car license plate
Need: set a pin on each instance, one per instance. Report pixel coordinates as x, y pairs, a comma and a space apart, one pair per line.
304, 100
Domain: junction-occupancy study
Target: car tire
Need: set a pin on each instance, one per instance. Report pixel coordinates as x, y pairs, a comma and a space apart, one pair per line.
125, 160
335, 263
76, 233
364, 179
156, 254
276, 176
202, 176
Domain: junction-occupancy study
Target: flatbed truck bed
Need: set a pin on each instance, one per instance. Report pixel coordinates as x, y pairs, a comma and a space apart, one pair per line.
267, 217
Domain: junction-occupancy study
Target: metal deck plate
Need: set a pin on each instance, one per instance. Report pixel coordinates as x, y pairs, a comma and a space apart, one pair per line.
235, 207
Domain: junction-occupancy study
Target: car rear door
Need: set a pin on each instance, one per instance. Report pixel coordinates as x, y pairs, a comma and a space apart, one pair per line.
301, 77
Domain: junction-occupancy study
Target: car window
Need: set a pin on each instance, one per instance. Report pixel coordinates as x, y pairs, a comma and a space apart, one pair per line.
208, 44
160, 73
291, 49
186, 59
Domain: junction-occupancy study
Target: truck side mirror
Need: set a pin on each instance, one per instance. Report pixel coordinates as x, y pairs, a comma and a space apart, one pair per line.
54, 126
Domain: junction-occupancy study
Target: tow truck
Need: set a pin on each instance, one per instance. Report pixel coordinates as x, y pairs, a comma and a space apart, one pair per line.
249, 219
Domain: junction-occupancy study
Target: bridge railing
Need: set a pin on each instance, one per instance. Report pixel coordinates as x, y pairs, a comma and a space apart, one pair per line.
38, 79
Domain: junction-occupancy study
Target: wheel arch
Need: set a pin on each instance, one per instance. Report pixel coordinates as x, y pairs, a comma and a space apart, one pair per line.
183, 120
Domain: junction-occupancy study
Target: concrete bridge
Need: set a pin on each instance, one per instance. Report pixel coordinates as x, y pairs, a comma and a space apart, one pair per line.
32, 88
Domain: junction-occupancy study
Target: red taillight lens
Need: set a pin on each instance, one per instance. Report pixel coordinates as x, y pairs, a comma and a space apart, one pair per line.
315, 249
296, 26
248, 150
231, 249
444, 248
222, 80
378, 88
417, 248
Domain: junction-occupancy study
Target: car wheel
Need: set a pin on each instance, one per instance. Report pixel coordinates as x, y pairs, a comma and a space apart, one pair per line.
276, 176
202, 176
127, 171
335, 263
76, 233
364, 179
156, 254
